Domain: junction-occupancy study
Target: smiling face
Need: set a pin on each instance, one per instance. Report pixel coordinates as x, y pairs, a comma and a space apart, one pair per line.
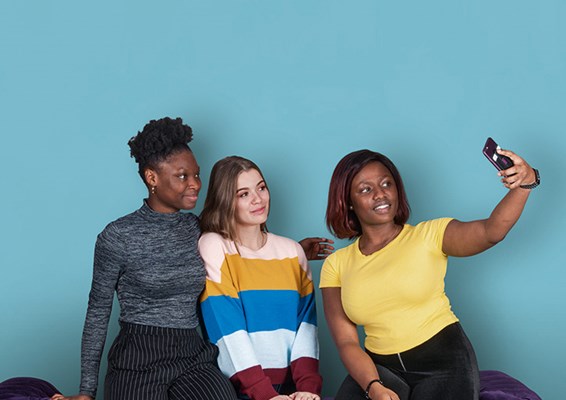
176, 183
373, 195
252, 199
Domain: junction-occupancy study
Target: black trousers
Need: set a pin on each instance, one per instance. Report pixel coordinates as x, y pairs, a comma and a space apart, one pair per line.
442, 368
153, 363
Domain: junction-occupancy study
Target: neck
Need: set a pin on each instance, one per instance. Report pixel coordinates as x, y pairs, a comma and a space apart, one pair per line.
375, 238
251, 237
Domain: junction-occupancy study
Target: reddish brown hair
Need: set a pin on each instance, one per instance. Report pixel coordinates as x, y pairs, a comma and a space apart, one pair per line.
340, 220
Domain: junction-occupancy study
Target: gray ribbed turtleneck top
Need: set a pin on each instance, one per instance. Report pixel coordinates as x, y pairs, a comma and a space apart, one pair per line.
151, 260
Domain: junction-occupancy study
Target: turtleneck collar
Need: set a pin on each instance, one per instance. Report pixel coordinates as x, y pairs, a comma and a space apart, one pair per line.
149, 214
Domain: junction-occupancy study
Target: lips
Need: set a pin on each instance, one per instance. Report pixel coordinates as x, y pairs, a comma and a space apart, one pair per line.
382, 206
192, 196
258, 211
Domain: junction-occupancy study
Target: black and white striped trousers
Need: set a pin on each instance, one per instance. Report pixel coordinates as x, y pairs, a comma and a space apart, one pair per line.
154, 363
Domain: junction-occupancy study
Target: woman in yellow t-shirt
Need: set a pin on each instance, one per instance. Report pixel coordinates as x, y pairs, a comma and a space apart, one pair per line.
390, 280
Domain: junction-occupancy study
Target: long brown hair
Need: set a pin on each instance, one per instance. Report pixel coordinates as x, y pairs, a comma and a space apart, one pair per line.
218, 214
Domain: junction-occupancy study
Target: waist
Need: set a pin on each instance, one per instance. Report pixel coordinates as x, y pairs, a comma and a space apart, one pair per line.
149, 330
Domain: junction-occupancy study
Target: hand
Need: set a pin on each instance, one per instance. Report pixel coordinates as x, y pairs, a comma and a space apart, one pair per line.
521, 173
304, 396
59, 396
317, 248
379, 392
280, 397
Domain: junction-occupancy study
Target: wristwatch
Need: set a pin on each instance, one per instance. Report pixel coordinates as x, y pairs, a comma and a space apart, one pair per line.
535, 183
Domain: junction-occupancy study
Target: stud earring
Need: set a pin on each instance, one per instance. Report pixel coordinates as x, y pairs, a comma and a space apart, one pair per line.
351, 207
153, 190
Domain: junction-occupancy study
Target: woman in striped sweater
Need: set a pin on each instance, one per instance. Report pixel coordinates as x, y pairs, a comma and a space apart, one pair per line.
259, 303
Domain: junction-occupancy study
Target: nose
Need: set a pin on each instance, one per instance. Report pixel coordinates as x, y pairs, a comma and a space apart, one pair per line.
378, 193
194, 183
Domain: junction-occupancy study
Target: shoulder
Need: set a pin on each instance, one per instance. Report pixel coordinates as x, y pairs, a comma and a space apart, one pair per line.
433, 225
284, 245
119, 226
211, 239
282, 240
213, 247
431, 231
344, 252
191, 219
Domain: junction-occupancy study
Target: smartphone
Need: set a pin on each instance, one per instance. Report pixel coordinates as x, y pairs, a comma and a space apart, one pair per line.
490, 151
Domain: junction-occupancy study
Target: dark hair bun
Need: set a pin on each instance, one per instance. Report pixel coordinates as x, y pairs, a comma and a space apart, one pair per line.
159, 139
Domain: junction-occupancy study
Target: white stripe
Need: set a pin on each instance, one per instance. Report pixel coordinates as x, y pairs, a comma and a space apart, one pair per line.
240, 350
306, 342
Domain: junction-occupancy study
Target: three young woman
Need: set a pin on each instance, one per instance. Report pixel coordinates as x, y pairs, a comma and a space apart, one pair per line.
259, 302
391, 282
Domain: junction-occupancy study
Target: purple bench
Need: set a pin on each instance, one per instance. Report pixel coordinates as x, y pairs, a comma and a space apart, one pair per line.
26, 389
496, 385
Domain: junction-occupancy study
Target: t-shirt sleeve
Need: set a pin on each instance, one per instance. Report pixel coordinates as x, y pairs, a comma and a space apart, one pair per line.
330, 275
433, 231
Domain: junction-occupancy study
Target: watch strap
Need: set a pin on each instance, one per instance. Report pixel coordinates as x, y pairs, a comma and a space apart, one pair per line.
535, 183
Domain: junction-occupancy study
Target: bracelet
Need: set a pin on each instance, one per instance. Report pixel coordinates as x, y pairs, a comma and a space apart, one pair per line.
369, 386
535, 183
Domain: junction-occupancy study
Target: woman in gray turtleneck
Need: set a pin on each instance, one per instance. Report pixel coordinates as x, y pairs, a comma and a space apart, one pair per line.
150, 258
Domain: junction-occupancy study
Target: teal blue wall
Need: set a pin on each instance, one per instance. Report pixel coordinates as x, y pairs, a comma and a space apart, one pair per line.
293, 85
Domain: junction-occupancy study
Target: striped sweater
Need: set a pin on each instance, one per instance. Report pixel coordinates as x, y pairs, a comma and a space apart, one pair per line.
259, 309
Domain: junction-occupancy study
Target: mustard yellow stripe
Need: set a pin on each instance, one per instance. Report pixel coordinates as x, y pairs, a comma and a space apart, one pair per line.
239, 274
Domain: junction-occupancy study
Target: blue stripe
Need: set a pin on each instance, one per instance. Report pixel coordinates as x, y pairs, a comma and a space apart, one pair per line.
264, 310
222, 316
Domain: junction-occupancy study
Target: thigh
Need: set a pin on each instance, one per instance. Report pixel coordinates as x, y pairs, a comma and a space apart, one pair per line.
133, 385
451, 369
134, 369
350, 390
203, 382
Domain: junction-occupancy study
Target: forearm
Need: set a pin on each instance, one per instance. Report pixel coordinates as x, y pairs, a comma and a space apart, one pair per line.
358, 364
505, 215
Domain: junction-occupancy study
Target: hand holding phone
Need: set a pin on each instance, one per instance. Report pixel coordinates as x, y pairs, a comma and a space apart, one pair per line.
500, 162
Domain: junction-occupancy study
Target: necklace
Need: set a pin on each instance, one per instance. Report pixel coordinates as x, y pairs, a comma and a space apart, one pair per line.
263, 242
370, 248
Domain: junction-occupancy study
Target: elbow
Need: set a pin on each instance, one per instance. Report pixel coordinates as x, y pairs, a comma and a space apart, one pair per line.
493, 239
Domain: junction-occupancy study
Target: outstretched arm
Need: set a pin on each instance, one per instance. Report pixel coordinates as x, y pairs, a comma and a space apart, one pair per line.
468, 238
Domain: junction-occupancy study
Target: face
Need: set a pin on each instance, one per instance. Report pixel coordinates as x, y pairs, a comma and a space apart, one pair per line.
374, 195
176, 181
252, 199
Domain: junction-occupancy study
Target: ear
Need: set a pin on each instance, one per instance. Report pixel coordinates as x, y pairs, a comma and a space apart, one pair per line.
151, 178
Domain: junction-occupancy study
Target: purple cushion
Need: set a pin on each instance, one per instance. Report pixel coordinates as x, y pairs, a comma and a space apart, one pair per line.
496, 385
26, 389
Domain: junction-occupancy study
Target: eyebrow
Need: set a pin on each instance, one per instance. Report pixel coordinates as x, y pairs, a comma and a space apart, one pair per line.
247, 188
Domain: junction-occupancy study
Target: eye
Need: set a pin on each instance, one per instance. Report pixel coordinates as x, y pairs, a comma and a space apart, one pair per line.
243, 194
386, 184
197, 175
182, 177
365, 189
262, 188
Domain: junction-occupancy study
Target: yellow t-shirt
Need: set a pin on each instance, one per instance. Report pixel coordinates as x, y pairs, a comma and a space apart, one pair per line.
397, 293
